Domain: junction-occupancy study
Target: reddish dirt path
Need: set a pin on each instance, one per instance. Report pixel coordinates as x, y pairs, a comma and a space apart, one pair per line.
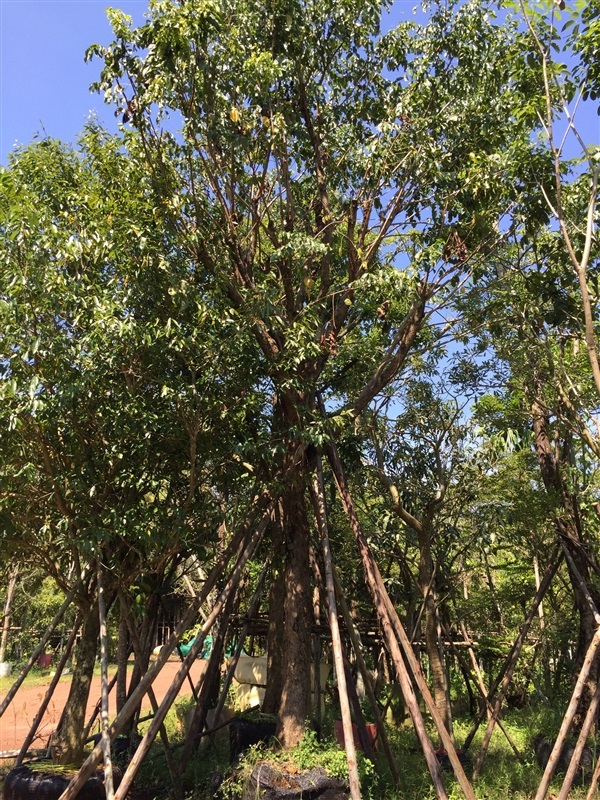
17, 719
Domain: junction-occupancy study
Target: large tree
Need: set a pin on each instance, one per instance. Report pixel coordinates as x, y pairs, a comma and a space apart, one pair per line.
327, 185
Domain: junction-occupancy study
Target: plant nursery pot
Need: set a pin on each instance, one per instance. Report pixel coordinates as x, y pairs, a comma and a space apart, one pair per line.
338, 729
4, 669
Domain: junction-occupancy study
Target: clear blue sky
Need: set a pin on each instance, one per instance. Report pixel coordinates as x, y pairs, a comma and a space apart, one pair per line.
44, 83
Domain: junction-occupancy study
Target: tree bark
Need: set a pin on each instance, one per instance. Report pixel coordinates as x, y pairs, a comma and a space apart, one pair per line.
568, 524
122, 656
10, 591
294, 708
67, 744
272, 698
435, 657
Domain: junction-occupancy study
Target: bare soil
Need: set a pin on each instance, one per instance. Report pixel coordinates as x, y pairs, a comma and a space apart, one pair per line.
16, 720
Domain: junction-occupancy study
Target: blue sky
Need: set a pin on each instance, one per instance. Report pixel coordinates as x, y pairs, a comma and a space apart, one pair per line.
44, 83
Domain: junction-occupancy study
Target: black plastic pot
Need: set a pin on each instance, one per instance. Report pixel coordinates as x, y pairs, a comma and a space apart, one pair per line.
24, 783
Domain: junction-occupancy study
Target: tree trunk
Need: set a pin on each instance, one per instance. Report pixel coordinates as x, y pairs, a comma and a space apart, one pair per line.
569, 528
122, 657
10, 592
272, 699
435, 657
68, 739
294, 708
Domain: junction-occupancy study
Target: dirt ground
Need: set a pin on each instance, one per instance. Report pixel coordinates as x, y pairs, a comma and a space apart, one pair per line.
16, 720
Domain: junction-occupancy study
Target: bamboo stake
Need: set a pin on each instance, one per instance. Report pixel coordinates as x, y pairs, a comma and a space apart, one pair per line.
173, 691
505, 675
381, 731
316, 639
252, 609
207, 680
336, 640
108, 769
484, 692
137, 649
590, 718
128, 709
96, 709
380, 596
48, 696
34, 656
594, 782
568, 718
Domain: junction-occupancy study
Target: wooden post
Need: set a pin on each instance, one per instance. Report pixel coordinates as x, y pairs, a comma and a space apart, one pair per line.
171, 695
108, 770
252, 609
591, 795
336, 640
388, 617
49, 692
34, 656
93, 759
137, 649
590, 719
505, 675
381, 731
569, 714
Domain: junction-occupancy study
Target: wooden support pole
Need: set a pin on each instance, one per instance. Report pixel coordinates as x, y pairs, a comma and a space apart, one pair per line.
381, 731
141, 689
569, 714
48, 695
173, 691
207, 681
387, 616
504, 677
137, 649
252, 610
484, 693
590, 719
34, 656
321, 513
592, 795
109, 787
96, 709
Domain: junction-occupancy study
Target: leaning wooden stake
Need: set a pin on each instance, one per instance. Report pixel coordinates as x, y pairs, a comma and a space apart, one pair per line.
569, 714
137, 650
252, 609
34, 656
109, 787
381, 731
388, 617
171, 695
336, 640
505, 676
590, 719
484, 692
48, 696
591, 795
141, 689
207, 681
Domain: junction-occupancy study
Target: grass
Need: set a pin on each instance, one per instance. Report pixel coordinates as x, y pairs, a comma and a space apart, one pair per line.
504, 776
